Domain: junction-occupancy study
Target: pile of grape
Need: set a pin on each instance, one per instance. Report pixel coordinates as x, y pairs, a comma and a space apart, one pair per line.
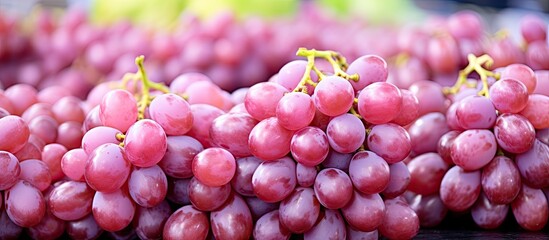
324, 148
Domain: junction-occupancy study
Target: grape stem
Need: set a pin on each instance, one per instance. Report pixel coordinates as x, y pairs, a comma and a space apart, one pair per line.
146, 98
475, 64
338, 62
120, 137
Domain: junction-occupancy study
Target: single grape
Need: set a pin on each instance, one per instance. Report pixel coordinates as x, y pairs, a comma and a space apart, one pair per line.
178, 191
180, 152
476, 112
84, 228
15, 129
52, 154
258, 207
107, 168
443, 54
509, 95
113, 211
214, 167
426, 173
69, 134
309, 146
36, 173
172, 112
426, 131
233, 220
473, 149
333, 96
145, 143
430, 209
98, 136
465, 24
409, 111
390, 141
488, 215
501, 180
522, 73
533, 28
273, 181
269, 226
149, 222
370, 69
8, 229
262, 99
365, 212
206, 198
429, 95
24, 204
400, 221
68, 108
514, 133
203, 115
44, 127
147, 186
333, 188
533, 165
330, 225
266, 147
379, 102
535, 111
73, 164
242, 180
346, 133
71, 200
295, 110
398, 181
118, 109
187, 223
49, 228
305, 175
10, 168
460, 189
369, 172
530, 208
231, 132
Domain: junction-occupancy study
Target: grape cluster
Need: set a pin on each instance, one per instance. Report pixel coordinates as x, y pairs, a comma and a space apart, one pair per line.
323, 149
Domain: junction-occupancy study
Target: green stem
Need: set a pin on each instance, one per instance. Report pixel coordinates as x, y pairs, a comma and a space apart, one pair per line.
146, 88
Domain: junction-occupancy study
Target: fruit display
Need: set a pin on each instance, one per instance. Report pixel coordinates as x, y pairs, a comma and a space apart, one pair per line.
310, 127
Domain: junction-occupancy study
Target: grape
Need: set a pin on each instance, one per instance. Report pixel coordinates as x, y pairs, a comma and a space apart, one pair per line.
409, 110
501, 180
473, 149
118, 109
186, 223
295, 110
180, 152
5, 102
145, 143
429, 96
107, 168
509, 95
330, 225
29, 151
533, 165
542, 86
262, 99
370, 69
429, 208
214, 167
233, 220
333, 96
69, 134
36, 173
364, 212
504, 52
426, 131
172, 113
444, 147
321, 120
147, 186
273, 181
309, 146
206, 198
389, 141
149, 222
242, 180
465, 24
346, 133
178, 191
398, 181
460, 189
68, 109
291, 73
71, 200
270, 227
369, 172
305, 175
15, 129
337, 160
52, 155
84, 228
514, 133
333, 188
543, 135
10, 168
537, 55
98, 136
476, 112
522, 73
266, 147
379, 102
530, 208
73, 164
8, 229
36, 110
44, 127
488, 215
203, 116
49, 228
353, 234
534, 111
442, 54
533, 28
21, 96
299, 211
92, 119
400, 221
231, 132
426, 173
25, 204
113, 211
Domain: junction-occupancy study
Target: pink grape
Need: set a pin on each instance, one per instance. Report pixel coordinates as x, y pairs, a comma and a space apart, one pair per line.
204, 116
522, 73
429, 208
118, 109
36, 110
530, 208
379, 102
533, 28
186, 223
21, 96
231, 132
369, 172
73, 164
264, 146
149, 222
305, 175
398, 181
258, 207
409, 110
295, 110
346, 133
172, 112
445, 143
84, 228
465, 25
476, 112
147, 186
69, 134
181, 150
460, 189
400, 221
488, 215
473, 149
36, 173
273, 181
333, 188
333, 96
214, 167
390, 141
509, 95
262, 98
365, 212
514, 133
306, 139
330, 225
533, 165
68, 109
9, 166
370, 69
24, 204
242, 180
296, 216
429, 96
426, 173
206, 198
107, 168
501, 180
71, 200
145, 143
44, 127
269, 227
233, 220
49, 228
15, 129
113, 211
98, 136
534, 111
443, 54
